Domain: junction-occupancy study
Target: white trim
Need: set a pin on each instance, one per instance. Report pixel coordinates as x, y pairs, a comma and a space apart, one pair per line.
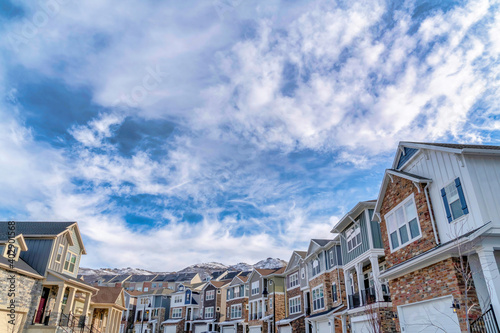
411, 197
312, 297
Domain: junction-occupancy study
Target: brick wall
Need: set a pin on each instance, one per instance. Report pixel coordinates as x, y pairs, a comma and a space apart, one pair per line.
396, 192
244, 311
440, 279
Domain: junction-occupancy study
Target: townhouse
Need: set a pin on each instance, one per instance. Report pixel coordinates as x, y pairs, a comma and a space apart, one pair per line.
153, 308
236, 317
369, 306
107, 307
212, 311
128, 318
293, 321
174, 280
439, 215
325, 294
184, 308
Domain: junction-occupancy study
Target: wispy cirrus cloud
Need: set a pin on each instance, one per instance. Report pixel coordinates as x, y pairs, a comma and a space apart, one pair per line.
242, 135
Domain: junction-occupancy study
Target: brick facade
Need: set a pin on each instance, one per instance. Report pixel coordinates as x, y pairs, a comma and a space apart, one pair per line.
440, 279
244, 311
397, 191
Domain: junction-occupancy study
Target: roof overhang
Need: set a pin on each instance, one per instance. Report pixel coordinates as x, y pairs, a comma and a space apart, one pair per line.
320, 247
389, 176
351, 215
81, 285
21, 271
286, 321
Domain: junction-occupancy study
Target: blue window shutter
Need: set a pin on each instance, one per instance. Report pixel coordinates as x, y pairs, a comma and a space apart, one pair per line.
446, 206
460, 191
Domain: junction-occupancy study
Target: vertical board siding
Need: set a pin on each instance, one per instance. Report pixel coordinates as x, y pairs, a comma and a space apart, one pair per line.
303, 281
376, 233
38, 254
61, 240
409, 152
365, 246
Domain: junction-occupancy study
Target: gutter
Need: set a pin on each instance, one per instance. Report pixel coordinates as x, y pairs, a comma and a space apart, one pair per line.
431, 213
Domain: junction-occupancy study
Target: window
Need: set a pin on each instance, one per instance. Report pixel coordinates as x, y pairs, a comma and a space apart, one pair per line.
318, 298
316, 268
303, 273
146, 288
209, 312
294, 305
210, 295
332, 259
154, 285
454, 200
293, 280
177, 313
334, 292
160, 285
69, 264
255, 288
353, 237
236, 311
178, 299
402, 224
59, 253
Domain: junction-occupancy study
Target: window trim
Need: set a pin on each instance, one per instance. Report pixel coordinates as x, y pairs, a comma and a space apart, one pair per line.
69, 262
297, 282
257, 290
411, 197
205, 312
234, 306
312, 267
356, 226
57, 253
298, 304
312, 297
461, 196
335, 296
174, 311
210, 293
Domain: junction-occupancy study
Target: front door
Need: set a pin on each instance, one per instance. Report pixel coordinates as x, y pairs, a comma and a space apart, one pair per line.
41, 306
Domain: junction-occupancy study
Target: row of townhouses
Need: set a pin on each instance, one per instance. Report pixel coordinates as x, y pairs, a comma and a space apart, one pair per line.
423, 256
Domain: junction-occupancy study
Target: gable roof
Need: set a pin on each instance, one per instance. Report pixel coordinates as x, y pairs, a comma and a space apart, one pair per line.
219, 284
119, 278
295, 260
389, 173
107, 295
352, 214
406, 150
316, 244
141, 278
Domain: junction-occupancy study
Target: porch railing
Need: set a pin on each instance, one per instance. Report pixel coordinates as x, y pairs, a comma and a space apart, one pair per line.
73, 324
366, 296
487, 323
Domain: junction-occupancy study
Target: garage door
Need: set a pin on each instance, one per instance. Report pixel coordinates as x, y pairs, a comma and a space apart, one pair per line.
8, 327
429, 317
361, 327
255, 329
228, 329
285, 329
170, 328
200, 328
322, 327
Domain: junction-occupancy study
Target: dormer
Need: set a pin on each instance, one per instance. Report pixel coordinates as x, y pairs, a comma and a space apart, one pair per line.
13, 248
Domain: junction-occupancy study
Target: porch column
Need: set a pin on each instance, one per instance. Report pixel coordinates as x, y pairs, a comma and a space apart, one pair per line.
86, 307
56, 312
378, 286
491, 276
69, 302
307, 325
347, 286
359, 275
331, 321
344, 324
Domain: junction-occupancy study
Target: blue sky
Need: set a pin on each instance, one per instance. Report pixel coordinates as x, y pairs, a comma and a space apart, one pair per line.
178, 132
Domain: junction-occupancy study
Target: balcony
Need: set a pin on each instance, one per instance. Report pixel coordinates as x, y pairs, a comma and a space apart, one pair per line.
365, 297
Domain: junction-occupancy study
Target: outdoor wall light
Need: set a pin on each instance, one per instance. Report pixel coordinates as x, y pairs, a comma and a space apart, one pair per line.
394, 316
455, 305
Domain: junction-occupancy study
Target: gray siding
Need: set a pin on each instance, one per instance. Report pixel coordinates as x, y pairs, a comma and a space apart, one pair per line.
61, 240
38, 255
365, 246
376, 233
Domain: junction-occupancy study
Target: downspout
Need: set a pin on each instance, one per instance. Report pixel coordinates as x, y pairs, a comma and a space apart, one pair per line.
431, 214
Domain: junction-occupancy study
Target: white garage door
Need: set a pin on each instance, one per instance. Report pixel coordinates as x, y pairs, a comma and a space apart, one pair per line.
228, 329
200, 328
170, 329
361, 327
255, 329
429, 317
285, 329
322, 327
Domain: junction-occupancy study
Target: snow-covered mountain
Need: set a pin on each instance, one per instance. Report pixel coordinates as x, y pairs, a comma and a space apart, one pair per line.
204, 269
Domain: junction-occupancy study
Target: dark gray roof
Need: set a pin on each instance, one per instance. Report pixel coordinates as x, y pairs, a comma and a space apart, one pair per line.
457, 145
71, 278
231, 275
246, 273
34, 228
322, 242
118, 278
185, 277
216, 274
20, 265
141, 278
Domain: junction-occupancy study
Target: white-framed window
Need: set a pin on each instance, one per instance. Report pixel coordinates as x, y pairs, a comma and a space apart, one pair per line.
236, 311
303, 273
332, 258
318, 298
70, 262
353, 237
316, 267
59, 254
146, 289
177, 313
177, 299
402, 222
154, 285
255, 288
210, 295
294, 305
209, 312
293, 280
454, 200
334, 292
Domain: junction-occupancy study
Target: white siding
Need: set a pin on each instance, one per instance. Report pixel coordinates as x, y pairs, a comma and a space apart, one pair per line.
443, 168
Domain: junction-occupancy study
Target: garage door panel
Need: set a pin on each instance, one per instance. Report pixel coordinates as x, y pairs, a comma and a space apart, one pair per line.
256, 329
361, 327
322, 327
228, 329
200, 328
170, 329
429, 317
285, 329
